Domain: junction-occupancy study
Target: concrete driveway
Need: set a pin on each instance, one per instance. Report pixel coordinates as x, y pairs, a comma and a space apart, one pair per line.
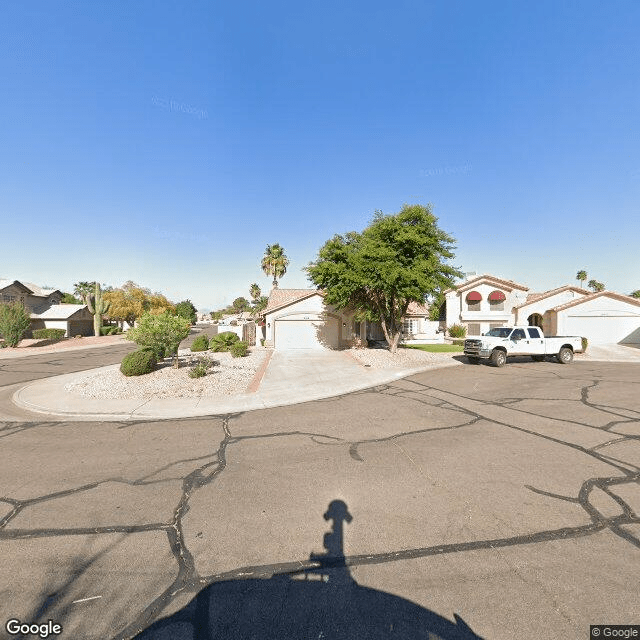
476, 502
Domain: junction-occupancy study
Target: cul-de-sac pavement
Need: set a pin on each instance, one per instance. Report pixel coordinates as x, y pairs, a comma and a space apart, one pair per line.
460, 502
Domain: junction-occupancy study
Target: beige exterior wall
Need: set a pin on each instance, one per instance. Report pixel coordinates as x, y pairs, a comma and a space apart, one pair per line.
458, 312
310, 310
14, 294
601, 320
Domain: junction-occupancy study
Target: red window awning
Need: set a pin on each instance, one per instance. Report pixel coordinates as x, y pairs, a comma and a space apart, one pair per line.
474, 296
497, 296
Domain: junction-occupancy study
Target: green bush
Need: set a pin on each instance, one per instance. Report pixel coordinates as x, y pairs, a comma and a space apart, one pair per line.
14, 323
457, 331
201, 343
138, 363
105, 331
48, 334
223, 341
585, 344
157, 350
239, 349
163, 330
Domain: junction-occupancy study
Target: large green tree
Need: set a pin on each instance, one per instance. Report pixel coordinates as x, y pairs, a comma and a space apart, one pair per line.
397, 259
186, 309
275, 262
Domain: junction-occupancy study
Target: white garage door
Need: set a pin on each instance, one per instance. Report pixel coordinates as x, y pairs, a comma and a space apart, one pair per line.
306, 334
604, 329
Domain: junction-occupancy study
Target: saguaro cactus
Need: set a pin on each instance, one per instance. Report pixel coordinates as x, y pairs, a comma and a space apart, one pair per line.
97, 306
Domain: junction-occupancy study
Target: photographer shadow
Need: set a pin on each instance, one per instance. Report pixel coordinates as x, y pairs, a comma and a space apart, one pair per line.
322, 602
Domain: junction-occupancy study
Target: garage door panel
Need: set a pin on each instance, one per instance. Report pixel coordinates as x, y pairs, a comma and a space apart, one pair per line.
605, 329
306, 334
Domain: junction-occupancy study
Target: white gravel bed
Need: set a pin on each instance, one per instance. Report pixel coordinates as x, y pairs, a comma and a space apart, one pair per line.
229, 376
403, 358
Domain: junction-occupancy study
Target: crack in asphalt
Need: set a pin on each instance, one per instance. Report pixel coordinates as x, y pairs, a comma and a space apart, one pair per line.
188, 578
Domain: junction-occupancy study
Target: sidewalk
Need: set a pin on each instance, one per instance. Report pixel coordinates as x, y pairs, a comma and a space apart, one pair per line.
290, 378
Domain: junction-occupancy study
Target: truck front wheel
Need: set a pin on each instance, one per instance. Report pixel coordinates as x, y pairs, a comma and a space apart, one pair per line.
498, 358
565, 355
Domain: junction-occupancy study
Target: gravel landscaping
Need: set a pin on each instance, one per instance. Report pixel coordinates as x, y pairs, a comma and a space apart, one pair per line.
402, 359
229, 376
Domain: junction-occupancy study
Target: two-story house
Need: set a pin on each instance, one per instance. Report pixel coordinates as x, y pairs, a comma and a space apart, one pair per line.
46, 309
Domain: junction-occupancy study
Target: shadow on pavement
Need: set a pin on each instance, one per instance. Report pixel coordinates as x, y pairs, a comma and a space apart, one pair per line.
320, 603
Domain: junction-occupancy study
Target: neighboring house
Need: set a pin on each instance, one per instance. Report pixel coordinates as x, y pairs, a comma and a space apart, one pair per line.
300, 319
603, 317
45, 308
485, 302
536, 311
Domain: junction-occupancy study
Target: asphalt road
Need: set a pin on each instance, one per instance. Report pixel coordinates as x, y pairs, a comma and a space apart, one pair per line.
467, 501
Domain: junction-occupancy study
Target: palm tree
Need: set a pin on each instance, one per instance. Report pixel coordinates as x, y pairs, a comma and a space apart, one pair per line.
275, 262
635, 294
254, 292
83, 289
581, 276
595, 285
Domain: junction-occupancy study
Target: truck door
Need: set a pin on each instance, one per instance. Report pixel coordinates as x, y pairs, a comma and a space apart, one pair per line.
536, 340
519, 342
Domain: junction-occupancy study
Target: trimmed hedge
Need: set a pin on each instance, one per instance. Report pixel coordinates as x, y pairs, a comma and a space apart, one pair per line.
239, 349
48, 334
138, 363
201, 343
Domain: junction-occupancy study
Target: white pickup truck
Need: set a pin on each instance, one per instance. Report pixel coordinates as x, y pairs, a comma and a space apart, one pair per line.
500, 343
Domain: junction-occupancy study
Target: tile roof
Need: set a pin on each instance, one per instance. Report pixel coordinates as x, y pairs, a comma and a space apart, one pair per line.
417, 309
507, 284
547, 294
58, 312
283, 297
599, 294
34, 288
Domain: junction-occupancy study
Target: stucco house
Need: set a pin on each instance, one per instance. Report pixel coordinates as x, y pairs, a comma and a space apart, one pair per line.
485, 302
300, 319
46, 309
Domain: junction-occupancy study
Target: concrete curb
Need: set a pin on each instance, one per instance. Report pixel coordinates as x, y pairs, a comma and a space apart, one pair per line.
36, 397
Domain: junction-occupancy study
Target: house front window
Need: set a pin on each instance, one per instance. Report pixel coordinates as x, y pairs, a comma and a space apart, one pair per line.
496, 300
8, 298
473, 329
473, 301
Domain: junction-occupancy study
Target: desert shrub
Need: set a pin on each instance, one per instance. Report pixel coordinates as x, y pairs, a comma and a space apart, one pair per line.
157, 350
239, 349
201, 368
262, 342
457, 331
223, 341
105, 331
14, 323
585, 344
458, 341
48, 334
162, 330
138, 363
201, 343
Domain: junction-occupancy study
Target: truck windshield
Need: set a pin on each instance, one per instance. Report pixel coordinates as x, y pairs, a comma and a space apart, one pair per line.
500, 332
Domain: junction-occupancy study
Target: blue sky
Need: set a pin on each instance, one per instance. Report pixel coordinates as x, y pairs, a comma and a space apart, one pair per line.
168, 143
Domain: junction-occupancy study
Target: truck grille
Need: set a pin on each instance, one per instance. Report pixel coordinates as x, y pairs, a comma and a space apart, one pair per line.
472, 346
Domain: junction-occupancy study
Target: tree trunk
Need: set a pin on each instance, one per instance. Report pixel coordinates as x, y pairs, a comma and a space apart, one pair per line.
392, 335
